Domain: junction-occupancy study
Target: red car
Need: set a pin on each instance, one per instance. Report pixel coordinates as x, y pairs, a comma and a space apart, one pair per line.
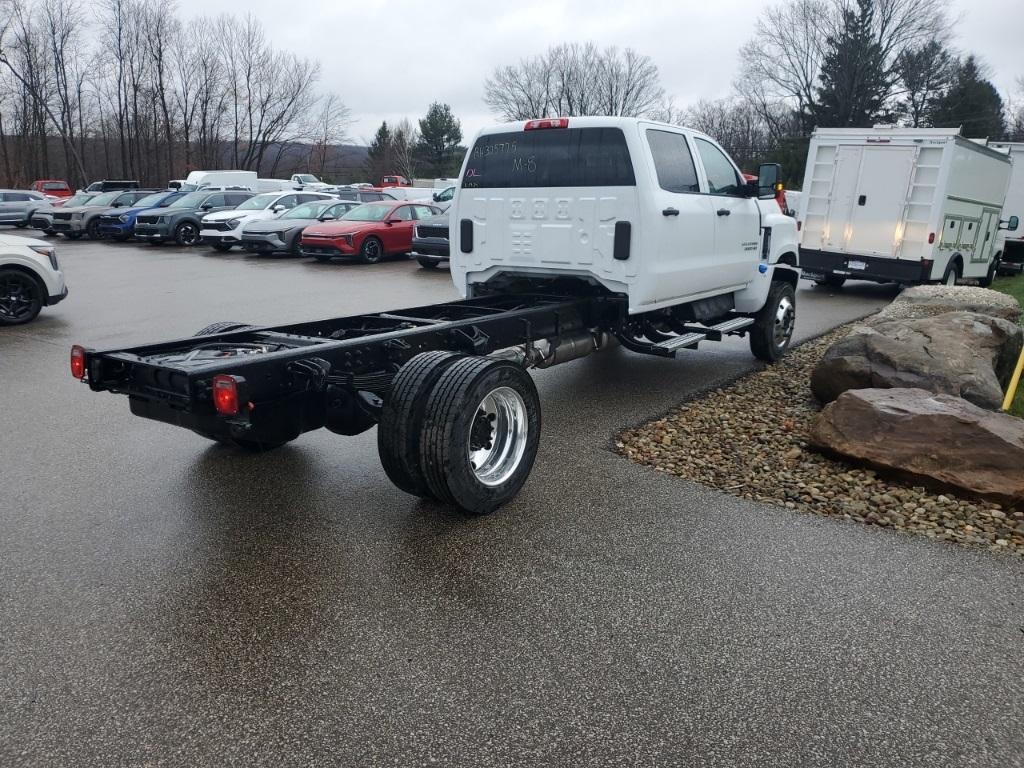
371, 232
394, 181
52, 187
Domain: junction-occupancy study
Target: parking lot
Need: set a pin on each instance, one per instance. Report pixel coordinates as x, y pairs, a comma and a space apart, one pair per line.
168, 601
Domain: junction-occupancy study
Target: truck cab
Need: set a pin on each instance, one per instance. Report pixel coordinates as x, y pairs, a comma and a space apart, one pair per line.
653, 211
395, 181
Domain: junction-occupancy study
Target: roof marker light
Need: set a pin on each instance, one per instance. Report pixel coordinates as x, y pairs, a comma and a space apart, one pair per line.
547, 122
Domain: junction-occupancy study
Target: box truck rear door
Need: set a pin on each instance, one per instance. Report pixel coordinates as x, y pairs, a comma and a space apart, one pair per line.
877, 220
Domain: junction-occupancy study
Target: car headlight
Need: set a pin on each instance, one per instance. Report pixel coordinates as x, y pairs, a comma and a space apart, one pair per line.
347, 239
123, 218
49, 252
232, 223
77, 216
161, 219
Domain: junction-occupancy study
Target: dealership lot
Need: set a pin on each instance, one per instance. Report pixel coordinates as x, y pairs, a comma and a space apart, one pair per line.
166, 601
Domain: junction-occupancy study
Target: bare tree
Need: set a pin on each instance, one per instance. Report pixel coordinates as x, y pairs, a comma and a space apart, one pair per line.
576, 79
404, 137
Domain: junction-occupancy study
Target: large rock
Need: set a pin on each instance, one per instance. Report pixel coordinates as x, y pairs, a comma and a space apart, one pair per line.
928, 300
936, 439
957, 353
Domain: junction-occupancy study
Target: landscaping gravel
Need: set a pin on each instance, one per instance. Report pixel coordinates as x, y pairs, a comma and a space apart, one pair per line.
750, 439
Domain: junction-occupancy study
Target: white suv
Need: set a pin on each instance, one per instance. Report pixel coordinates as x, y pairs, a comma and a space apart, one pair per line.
30, 278
223, 229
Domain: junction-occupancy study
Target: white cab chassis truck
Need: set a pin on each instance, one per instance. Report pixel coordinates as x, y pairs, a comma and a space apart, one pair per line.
905, 205
568, 233
1010, 243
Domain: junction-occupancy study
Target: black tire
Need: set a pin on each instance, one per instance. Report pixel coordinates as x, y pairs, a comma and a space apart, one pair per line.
401, 420
295, 249
222, 247
92, 230
993, 270
72, 235
772, 330
427, 263
21, 297
953, 273
831, 281
186, 233
21, 225
372, 250
454, 409
222, 327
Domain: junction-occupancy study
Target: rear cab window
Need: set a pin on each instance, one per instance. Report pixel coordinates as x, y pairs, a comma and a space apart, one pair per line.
553, 157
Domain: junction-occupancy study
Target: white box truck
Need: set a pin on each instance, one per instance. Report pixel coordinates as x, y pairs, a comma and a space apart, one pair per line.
905, 205
1010, 242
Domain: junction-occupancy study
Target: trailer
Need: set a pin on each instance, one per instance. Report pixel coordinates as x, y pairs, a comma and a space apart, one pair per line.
900, 205
571, 235
1010, 242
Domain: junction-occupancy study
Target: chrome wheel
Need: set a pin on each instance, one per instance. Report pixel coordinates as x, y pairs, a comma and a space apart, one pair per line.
497, 436
785, 319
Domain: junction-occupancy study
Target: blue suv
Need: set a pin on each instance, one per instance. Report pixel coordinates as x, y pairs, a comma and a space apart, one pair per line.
119, 224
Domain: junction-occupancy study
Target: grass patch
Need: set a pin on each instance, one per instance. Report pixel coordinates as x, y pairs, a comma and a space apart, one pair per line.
1013, 286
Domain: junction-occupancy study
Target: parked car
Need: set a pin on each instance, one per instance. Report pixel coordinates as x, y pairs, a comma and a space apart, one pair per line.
109, 185
75, 221
30, 279
119, 224
430, 241
52, 187
180, 221
42, 217
371, 231
308, 181
16, 206
224, 229
361, 195
281, 234
395, 181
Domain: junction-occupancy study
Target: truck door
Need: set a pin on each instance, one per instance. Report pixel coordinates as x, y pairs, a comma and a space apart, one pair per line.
876, 223
737, 219
684, 260
840, 207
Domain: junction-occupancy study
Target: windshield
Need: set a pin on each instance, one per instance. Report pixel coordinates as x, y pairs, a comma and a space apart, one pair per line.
368, 212
107, 198
81, 199
55, 185
307, 211
150, 201
259, 202
307, 178
191, 200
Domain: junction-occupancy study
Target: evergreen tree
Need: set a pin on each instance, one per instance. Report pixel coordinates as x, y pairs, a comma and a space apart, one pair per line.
925, 73
853, 78
380, 156
440, 135
971, 102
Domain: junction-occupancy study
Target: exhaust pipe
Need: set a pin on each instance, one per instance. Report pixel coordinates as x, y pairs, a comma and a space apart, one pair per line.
549, 352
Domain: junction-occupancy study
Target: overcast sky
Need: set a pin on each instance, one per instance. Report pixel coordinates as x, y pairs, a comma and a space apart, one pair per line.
388, 59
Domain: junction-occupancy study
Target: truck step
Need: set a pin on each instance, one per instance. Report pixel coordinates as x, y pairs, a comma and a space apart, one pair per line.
698, 333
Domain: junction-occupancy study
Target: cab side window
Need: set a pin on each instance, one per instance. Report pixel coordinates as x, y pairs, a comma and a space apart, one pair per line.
673, 161
215, 201
722, 176
288, 201
404, 213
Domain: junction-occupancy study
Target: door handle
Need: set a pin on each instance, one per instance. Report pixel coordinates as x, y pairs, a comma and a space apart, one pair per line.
670, 212
723, 211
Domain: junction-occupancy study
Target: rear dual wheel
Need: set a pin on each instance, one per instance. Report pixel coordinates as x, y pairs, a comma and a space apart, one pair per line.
461, 430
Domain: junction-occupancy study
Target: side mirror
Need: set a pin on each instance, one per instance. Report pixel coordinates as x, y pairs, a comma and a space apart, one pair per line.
437, 197
205, 206
769, 177
277, 208
1010, 224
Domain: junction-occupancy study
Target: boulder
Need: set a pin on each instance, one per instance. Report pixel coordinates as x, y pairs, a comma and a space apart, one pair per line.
928, 300
938, 440
957, 353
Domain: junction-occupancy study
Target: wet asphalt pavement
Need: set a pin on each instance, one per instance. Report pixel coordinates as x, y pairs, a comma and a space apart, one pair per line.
169, 602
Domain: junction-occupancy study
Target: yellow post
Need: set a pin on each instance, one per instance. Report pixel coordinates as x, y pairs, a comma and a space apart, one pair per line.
1011, 390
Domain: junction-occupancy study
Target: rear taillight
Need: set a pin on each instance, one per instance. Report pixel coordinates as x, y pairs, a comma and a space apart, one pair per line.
225, 394
78, 362
547, 122
931, 238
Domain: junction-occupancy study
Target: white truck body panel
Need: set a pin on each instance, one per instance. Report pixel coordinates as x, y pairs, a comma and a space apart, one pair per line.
905, 195
1014, 203
673, 259
203, 179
